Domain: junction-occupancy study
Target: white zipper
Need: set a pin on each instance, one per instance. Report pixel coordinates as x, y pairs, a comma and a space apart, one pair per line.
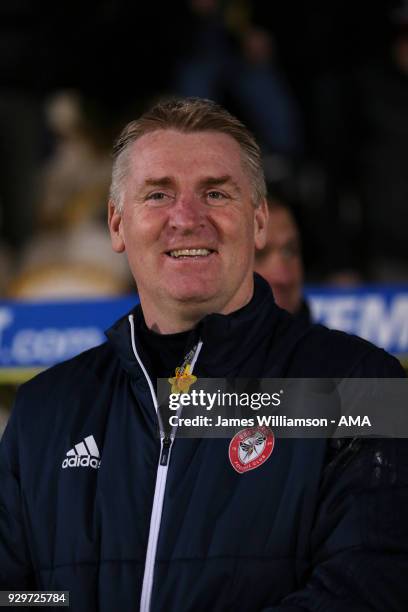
166, 443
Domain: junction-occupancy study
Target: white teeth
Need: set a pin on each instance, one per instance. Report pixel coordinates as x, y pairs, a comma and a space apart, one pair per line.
190, 253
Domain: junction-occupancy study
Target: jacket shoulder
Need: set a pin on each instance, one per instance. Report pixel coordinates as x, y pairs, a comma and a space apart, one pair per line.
88, 368
323, 352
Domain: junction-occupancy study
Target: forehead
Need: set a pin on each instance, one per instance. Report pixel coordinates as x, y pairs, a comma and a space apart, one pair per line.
174, 153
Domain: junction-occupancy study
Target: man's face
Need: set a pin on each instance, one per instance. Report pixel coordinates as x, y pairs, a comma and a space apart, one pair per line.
188, 224
280, 261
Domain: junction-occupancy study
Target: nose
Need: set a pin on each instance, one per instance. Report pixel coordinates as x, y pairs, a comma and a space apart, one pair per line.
187, 213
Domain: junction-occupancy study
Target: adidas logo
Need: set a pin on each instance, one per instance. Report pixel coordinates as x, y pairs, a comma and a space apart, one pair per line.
84, 454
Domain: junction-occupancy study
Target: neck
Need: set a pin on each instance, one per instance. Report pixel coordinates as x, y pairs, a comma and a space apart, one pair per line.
184, 317
169, 325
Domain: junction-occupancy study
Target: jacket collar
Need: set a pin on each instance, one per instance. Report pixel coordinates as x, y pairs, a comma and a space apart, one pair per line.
233, 344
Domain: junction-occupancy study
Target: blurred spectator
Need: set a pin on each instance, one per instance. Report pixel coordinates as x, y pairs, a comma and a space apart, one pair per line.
207, 56
280, 261
71, 255
263, 95
77, 176
245, 76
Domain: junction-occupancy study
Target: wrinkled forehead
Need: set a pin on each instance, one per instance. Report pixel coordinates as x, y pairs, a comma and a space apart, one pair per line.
172, 150
174, 147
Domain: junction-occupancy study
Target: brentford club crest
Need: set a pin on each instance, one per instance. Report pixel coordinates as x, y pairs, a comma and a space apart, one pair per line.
251, 447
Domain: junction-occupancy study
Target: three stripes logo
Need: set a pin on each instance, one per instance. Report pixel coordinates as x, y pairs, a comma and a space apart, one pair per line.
84, 454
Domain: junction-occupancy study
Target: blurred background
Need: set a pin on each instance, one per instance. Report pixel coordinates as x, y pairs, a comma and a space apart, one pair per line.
323, 85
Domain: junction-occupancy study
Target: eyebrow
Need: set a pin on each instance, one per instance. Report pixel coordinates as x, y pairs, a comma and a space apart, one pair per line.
162, 181
212, 181
209, 181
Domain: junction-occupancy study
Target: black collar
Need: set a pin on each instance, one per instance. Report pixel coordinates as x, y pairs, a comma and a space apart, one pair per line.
236, 344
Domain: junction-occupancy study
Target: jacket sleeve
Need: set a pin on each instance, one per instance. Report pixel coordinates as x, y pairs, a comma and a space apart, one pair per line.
360, 539
15, 566
359, 542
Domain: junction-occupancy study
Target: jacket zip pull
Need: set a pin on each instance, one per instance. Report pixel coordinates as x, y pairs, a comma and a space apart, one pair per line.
165, 450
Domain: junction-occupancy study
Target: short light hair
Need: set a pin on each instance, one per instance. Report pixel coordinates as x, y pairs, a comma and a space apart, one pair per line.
187, 115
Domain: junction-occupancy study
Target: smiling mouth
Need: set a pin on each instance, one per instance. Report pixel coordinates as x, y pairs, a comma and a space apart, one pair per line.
182, 253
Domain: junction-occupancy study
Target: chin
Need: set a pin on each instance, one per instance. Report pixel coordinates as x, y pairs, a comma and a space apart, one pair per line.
195, 292
192, 297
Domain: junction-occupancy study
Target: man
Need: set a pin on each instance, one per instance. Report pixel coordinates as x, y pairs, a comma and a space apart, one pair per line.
93, 502
280, 260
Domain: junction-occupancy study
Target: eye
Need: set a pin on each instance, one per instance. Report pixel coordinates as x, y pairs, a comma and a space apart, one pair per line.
158, 195
157, 198
216, 195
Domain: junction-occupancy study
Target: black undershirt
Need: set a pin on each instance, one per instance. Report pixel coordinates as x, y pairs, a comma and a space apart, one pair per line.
165, 352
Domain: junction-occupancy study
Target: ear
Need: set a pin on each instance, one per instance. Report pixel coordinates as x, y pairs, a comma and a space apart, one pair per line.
261, 224
115, 228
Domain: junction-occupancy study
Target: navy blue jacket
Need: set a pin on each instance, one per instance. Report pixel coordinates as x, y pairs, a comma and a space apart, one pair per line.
318, 527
